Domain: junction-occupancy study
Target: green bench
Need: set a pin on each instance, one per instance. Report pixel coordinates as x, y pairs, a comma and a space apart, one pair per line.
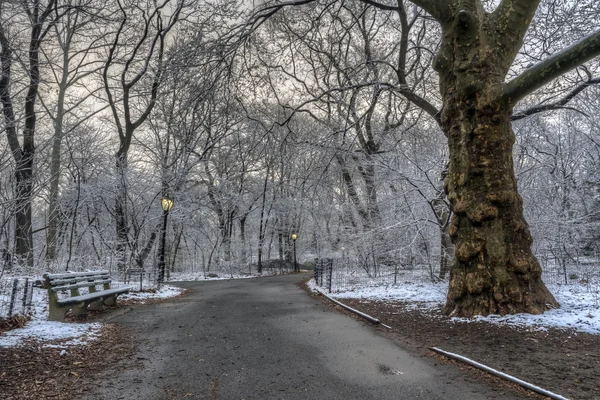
79, 303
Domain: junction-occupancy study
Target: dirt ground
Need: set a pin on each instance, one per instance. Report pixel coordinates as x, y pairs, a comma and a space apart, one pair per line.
564, 362
33, 371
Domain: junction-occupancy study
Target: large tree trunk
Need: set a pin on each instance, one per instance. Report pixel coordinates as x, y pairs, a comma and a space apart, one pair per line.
494, 270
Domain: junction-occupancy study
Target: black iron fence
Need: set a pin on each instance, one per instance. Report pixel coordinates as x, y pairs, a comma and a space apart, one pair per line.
345, 274
16, 296
324, 273
341, 274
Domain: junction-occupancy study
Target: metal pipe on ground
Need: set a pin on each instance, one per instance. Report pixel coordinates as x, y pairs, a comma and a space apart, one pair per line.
492, 371
369, 318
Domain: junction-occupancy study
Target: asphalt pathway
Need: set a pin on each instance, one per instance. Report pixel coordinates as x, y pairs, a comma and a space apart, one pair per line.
266, 338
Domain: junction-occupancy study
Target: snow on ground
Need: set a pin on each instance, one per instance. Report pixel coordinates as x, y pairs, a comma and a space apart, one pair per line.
164, 293
219, 275
68, 334
580, 304
188, 277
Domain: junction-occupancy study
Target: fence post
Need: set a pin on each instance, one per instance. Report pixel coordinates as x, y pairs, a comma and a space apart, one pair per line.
330, 273
25, 289
29, 298
13, 297
321, 272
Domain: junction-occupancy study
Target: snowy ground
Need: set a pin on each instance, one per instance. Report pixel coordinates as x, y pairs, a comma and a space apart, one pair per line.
67, 333
580, 304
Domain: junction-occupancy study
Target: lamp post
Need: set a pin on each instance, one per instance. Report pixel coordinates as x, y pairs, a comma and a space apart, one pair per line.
294, 237
166, 205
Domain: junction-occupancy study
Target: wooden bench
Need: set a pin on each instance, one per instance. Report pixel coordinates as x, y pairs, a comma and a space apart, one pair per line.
79, 303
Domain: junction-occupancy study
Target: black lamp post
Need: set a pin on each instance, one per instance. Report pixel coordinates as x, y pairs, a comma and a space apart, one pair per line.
166, 205
294, 237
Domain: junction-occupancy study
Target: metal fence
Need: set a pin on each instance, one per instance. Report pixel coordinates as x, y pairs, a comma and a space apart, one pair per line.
341, 274
324, 273
16, 296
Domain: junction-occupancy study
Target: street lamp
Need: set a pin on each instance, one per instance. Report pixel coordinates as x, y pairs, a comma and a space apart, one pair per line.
294, 237
166, 205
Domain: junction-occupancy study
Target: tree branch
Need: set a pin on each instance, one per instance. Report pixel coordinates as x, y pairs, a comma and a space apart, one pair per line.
552, 67
511, 20
439, 9
560, 104
379, 5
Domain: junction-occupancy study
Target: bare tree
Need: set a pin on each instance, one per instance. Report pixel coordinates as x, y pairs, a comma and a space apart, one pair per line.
73, 63
141, 35
39, 17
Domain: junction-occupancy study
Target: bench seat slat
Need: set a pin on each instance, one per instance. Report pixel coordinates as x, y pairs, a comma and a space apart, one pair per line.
93, 296
79, 285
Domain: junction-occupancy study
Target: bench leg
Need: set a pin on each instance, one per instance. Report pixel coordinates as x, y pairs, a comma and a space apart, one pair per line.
56, 313
96, 305
111, 301
79, 309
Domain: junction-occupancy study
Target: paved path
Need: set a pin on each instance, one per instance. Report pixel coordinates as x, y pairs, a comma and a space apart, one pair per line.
267, 339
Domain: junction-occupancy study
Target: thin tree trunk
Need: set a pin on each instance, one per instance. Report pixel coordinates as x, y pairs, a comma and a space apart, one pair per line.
244, 255
55, 163
262, 222
121, 212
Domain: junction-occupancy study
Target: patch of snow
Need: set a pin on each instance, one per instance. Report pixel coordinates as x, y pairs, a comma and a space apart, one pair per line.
422, 295
165, 292
69, 334
221, 275
580, 304
579, 310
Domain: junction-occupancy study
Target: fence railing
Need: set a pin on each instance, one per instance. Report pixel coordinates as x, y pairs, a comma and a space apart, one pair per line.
16, 296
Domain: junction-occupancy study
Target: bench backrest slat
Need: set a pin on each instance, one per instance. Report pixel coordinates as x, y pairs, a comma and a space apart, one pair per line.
79, 285
63, 282
60, 282
51, 277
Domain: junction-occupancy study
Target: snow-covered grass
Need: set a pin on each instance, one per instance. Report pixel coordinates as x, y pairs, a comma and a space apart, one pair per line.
580, 304
66, 333
220, 275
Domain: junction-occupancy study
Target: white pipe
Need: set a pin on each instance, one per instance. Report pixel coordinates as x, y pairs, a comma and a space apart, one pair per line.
500, 374
362, 314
